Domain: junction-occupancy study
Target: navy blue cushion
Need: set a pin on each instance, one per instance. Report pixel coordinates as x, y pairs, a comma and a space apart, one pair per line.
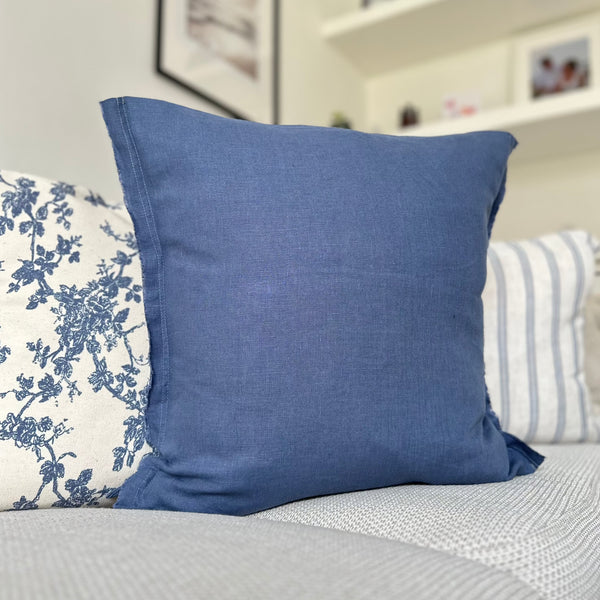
314, 303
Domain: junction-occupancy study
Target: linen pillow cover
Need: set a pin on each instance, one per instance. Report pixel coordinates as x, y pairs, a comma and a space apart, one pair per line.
314, 303
533, 301
74, 366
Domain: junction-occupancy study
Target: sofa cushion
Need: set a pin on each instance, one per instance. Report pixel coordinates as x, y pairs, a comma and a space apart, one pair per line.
74, 367
314, 302
544, 529
107, 553
533, 301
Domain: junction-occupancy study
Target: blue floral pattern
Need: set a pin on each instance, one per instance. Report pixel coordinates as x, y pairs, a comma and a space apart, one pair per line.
74, 366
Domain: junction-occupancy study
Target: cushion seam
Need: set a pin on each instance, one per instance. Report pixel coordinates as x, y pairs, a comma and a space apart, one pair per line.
151, 223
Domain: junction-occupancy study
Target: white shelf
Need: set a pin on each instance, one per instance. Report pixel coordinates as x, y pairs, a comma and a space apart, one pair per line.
548, 127
391, 35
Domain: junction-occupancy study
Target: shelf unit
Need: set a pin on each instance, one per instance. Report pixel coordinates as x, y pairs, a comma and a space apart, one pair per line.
548, 127
392, 35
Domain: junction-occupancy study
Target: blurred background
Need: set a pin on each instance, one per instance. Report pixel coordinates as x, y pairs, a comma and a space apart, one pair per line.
400, 67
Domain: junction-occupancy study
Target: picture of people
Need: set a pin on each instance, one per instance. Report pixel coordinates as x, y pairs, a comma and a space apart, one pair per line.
560, 68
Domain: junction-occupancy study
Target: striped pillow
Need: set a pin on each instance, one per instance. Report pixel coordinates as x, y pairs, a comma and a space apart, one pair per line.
533, 305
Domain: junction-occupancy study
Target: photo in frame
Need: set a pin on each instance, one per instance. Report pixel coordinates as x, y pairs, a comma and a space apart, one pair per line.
225, 51
557, 61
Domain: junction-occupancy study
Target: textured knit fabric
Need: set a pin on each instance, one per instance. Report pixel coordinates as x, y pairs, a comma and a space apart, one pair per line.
534, 351
544, 529
314, 301
130, 555
74, 366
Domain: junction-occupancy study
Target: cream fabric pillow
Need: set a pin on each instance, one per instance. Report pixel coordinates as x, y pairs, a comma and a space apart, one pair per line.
592, 348
74, 369
534, 350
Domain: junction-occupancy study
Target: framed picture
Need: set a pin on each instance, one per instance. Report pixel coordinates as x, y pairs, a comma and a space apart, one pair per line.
226, 51
557, 61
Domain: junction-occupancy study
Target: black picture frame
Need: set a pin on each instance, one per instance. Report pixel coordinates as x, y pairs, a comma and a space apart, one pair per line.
201, 91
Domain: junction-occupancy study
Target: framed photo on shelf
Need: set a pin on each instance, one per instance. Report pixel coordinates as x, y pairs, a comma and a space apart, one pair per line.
558, 60
225, 51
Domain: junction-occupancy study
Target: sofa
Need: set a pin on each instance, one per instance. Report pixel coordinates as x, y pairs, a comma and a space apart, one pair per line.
534, 537
307, 495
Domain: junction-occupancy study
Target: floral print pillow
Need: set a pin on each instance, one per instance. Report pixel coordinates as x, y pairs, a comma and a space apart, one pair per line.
74, 347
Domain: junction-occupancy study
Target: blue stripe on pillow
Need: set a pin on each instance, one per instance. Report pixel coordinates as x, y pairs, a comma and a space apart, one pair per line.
530, 332
555, 337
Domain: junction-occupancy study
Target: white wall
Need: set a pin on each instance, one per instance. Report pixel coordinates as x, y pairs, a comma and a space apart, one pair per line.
316, 80
59, 58
334, 8
551, 195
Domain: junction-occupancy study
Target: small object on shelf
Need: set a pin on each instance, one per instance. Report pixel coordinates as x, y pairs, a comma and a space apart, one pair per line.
340, 120
409, 116
460, 104
367, 3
